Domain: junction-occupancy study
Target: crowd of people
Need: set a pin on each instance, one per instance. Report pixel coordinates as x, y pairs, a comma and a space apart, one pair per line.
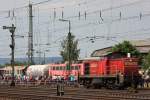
38, 80
48, 80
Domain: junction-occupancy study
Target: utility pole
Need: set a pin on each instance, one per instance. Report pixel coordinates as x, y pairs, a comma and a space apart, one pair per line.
44, 57
30, 36
12, 46
69, 26
69, 48
69, 45
69, 51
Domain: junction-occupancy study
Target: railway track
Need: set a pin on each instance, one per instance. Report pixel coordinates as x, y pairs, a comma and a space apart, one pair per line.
40, 93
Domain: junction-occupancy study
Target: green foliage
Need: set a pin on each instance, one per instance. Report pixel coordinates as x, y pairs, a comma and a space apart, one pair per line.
73, 47
146, 61
17, 63
68, 67
1, 66
126, 47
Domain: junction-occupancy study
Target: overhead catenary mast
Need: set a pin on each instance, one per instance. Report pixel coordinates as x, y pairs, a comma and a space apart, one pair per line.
30, 36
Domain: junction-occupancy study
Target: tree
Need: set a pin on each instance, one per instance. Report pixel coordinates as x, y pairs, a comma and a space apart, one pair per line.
17, 63
126, 47
146, 62
1, 66
70, 49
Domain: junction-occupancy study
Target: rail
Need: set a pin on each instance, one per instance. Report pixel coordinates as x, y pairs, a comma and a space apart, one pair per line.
46, 90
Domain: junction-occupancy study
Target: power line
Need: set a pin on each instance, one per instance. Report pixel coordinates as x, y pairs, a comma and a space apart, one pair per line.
88, 13
42, 2
99, 22
76, 4
107, 9
139, 30
93, 38
20, 8
23, 7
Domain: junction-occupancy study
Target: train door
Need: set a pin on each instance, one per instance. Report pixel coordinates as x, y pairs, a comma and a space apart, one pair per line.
86, 69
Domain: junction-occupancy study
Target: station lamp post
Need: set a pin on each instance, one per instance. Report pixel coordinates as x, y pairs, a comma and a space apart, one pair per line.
69, 44
12, 46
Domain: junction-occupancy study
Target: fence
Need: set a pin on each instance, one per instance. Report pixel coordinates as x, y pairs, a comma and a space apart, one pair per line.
51, 84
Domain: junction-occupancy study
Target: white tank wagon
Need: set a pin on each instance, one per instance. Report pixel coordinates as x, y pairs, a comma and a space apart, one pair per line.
37, 70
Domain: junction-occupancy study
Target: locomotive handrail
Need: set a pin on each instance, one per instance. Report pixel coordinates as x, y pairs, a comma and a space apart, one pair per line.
98, 76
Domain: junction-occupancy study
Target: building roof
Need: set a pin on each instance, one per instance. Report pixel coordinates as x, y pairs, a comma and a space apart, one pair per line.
10, 68
143, 46
101, 52
91, 58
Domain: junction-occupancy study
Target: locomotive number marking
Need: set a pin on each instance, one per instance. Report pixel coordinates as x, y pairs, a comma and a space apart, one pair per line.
131, 63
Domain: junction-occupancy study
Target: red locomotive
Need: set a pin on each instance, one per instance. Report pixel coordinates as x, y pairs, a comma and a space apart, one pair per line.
110, 72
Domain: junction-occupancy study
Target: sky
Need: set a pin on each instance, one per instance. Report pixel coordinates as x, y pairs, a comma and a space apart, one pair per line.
120, 20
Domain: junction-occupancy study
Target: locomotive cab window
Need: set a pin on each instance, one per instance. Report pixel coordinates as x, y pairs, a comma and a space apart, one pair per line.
64, 68
76, 67
61, 68
57, 68
72, 67
87, 68
53, 68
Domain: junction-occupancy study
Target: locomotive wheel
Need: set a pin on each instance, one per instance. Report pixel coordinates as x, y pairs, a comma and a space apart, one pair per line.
96, 86
109, 86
